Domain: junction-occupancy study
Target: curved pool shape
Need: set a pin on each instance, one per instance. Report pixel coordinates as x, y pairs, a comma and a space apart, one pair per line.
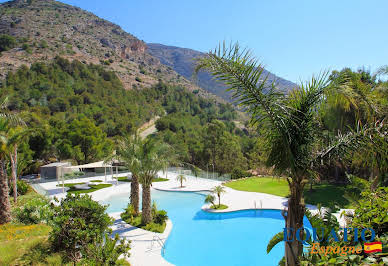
202, 238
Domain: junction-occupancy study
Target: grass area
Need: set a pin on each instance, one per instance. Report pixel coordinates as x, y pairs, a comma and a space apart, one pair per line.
125, 179
23, 199
96, 181
219, 207
325, 194
26, 245
71, 184
159, 179
269, 185
92, 189
153, 227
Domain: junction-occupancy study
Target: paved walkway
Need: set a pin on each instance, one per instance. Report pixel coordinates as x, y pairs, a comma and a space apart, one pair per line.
146, 247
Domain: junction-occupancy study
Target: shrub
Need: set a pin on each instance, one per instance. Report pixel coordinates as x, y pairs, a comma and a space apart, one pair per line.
22, 188
35, 211
78, 222
161, 217
238, 173
372, 211
7, 42
106, 251
128, 214
138, 79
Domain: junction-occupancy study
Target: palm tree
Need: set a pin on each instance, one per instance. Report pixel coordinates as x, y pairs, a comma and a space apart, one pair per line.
5, 206
16, 136
290, 122
210, 199
155, 157
6, 119
181, 178
129, 151
218, 190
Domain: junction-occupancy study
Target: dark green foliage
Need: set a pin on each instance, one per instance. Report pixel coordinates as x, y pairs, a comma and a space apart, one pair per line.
84, 142
78, 222
372, 210
22, 188
7, 42
238, 173
63, 90
159, 218
67, 103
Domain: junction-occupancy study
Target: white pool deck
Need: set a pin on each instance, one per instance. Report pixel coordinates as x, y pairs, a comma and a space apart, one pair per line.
146, 247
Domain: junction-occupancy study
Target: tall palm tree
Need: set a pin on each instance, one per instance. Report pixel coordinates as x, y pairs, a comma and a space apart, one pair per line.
290, 120
15, 137
129, 151
219, 190
5, 206
6, 119
155, 157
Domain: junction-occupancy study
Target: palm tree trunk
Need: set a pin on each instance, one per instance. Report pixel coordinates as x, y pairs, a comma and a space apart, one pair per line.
294, 220
5, 206
146, 214
14, 158
135, 193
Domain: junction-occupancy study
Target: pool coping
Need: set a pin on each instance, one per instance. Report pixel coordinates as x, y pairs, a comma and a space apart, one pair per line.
140, 254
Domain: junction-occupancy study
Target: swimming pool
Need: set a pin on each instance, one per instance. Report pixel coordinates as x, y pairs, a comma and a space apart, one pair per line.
202, 238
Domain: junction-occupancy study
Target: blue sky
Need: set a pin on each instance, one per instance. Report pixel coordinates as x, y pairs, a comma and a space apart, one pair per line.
293, 38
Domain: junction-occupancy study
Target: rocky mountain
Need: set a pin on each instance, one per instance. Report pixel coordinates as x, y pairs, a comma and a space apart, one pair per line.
44, 29
182, 61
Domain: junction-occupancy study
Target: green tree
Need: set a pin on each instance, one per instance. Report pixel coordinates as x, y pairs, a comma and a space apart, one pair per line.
290, 123
156, 156
129, 151
219, 190
7, 119
180, 179
78, 221
5, 206
84, 142
210, 199
7, 42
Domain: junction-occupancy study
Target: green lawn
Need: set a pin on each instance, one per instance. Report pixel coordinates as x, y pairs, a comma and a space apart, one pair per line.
269, 185
92, 189
219, 207
325, 194
70, 184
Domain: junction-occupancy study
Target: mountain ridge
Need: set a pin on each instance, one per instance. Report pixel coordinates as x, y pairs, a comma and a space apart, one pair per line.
44, 29
182, 61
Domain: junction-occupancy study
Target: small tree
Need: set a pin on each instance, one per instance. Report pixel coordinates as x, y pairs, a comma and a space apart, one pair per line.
181, 178
210, 199
78, 222
106, 251
218, 190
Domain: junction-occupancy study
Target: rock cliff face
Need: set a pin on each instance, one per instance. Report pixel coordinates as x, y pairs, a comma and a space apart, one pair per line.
46, 28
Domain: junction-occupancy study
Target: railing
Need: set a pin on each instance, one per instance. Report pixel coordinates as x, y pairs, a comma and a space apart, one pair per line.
159, 241
201, 173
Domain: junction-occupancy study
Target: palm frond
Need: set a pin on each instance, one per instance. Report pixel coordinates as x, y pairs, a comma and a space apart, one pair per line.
14, 118
276, 239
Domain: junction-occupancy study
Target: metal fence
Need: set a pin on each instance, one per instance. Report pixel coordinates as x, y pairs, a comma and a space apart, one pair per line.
201, 173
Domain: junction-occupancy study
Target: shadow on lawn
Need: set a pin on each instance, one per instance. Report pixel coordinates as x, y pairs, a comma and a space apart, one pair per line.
331, 196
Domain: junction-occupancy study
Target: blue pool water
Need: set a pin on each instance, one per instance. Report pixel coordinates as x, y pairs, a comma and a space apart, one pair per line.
201, 238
